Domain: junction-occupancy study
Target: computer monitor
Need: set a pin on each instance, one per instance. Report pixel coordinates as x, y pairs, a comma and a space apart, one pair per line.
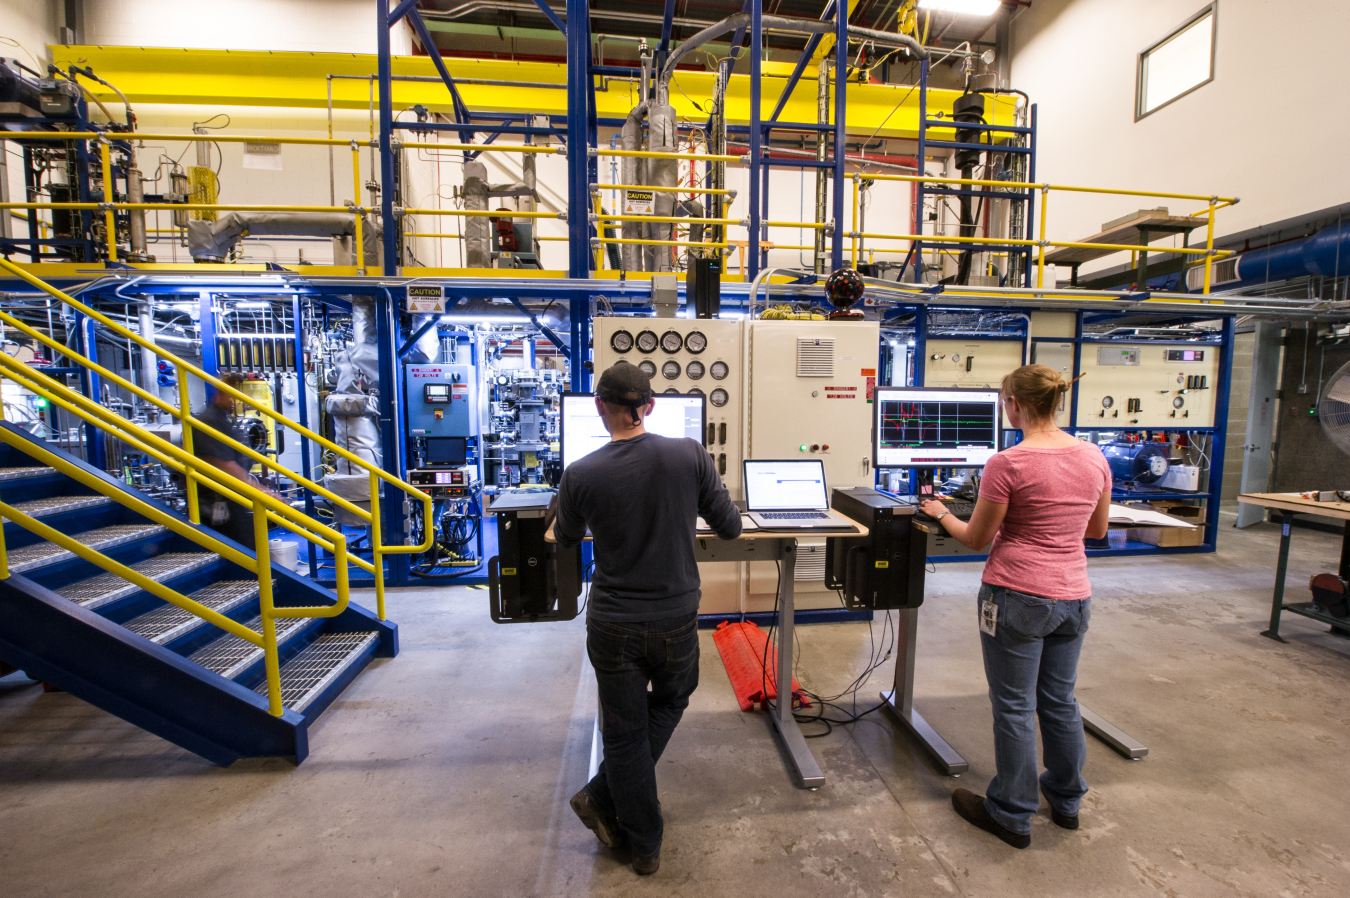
789, 485
582, 432
446, 452
938, 427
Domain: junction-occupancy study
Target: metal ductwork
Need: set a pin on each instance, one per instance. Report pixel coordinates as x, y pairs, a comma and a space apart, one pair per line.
212, 241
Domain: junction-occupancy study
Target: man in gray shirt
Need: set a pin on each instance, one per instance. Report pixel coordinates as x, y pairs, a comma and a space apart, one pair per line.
639, 495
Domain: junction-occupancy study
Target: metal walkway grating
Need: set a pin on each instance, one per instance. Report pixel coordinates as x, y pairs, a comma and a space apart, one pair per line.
27, 558
169, 622
37, 508
229, 655
21, 473
105, 588
320, 663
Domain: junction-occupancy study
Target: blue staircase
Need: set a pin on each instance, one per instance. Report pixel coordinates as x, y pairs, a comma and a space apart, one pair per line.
108, 642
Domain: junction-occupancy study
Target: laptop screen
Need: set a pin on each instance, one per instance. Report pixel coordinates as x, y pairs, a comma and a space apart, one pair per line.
785, 485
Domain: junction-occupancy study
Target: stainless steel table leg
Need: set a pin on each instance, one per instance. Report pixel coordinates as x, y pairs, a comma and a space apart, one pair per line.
900, 700
1122, 742
784, 724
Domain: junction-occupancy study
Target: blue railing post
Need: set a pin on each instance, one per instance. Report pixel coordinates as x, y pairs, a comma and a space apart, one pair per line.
840, 107
389, 227
756, 136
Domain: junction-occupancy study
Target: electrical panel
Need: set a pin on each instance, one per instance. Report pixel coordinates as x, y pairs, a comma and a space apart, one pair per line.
441, 399
810, 396
1147, 386
687, 355
970, 363
1057, 355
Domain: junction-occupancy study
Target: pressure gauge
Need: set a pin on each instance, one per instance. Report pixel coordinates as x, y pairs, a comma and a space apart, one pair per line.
1108, 401
671, 391
1178, 402
646, 341
670, 370
672, 342
694, 370
719, 397
648, 368
956, 356
621, 341
719, 370
695, 391
695, 342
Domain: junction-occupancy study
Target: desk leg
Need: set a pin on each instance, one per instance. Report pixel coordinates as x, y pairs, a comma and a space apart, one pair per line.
900, 700
781, 716
1345, 552
1281, 567
1119, 740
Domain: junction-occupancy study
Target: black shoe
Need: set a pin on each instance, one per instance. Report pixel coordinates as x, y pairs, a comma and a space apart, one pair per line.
646, 866
971, 807
605, 827
1064, 820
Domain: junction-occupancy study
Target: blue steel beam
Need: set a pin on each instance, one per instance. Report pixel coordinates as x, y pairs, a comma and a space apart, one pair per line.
581, 123
552, 16
298, 334
386, 78
756, 134
399, 12
808, 52
840, 92
664, 49
428, 44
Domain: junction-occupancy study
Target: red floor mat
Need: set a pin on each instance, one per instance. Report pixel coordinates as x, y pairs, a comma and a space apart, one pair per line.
742, 647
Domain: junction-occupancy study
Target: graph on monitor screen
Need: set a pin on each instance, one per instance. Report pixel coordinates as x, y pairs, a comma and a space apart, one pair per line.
934, 428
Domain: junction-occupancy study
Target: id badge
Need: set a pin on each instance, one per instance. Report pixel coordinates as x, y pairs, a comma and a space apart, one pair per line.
989, 618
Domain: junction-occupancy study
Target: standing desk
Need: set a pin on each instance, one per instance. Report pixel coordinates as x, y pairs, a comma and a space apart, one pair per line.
1290, 504
762, 545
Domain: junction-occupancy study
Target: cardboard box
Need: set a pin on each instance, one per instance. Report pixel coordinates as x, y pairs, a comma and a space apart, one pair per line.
1171, 537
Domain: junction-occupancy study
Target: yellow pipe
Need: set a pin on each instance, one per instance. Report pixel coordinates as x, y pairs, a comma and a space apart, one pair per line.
672, 219
237, 395
648, 154
656, 242
1040, 275
356, 199
1011, 241
186, 138
109, 221
714, 191
808, 225
179, 207
482, 147
482, 213
1209, 250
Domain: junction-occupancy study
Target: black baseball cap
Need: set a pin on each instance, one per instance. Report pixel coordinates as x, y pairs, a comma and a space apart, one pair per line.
625, 384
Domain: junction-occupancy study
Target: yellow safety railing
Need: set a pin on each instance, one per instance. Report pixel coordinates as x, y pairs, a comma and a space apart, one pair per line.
1209, 252
266, 510
183, 414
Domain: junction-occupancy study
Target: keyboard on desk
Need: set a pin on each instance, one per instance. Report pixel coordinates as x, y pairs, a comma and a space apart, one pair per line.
961, 509
793, 515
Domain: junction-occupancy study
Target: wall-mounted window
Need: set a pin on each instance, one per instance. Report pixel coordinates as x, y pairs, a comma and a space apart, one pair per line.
1177, 64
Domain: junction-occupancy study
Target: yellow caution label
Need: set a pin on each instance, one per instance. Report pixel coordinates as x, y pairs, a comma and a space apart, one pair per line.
883, 564
508, 572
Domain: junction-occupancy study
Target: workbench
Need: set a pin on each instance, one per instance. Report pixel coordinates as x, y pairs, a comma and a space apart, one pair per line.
762, 545
1290, 504
1140, 230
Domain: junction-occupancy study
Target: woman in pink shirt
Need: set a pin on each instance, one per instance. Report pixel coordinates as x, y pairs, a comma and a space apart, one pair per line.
1038, 500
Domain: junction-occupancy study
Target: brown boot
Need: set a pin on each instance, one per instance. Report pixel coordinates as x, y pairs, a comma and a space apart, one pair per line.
971, 807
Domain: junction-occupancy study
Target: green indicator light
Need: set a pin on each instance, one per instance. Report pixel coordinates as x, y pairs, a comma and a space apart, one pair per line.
40, 402
803, 447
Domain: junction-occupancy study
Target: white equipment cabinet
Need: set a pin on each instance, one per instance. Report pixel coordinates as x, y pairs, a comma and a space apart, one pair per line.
810, 390
1141, 385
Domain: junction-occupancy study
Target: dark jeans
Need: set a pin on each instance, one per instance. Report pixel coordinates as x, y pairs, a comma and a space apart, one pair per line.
239, 525
637, 722
1031, 663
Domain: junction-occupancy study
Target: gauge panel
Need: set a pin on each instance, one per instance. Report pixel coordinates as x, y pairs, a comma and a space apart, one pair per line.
621, 341
672, 342
719, 370
694, 370
646, 342
670, 369
695, 342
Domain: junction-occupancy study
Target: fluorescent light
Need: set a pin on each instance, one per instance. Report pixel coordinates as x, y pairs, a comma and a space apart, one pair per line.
484, 319
963, 7
253, 304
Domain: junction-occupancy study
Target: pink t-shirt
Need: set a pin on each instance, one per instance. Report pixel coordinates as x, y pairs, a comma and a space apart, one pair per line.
1050, 494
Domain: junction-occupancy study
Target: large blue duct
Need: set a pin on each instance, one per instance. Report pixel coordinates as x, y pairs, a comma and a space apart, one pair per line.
1326, 253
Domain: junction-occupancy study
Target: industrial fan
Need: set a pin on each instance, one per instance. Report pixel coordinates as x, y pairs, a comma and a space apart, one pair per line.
1334, 409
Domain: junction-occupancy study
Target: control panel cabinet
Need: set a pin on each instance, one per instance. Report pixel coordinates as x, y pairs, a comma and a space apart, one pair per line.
441, 399
1132, 385
971, 364
884, 569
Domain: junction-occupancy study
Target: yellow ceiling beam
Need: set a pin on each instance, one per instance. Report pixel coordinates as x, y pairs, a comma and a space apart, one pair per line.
826, 45
212, 78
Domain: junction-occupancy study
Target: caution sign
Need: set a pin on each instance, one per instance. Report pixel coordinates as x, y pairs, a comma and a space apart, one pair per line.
639, 202
426, 298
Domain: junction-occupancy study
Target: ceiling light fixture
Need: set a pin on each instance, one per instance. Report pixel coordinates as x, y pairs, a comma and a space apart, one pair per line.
963, 7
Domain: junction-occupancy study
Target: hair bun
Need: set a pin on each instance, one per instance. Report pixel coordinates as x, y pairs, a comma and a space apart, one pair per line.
1062, 387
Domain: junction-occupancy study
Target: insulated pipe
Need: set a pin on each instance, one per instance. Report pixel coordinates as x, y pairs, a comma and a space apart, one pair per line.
632, 170
149, 363
1324, 254
662, 137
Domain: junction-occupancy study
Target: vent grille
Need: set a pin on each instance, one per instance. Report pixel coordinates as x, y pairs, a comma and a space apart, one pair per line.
1225, 272
810, 563
815, 356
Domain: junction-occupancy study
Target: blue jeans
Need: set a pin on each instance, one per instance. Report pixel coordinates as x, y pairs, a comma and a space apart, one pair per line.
636, 722
1031, 663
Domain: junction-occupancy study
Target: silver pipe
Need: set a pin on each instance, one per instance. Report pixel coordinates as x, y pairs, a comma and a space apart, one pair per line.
822, 178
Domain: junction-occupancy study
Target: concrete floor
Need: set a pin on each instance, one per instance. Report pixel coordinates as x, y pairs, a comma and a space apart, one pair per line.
446, 771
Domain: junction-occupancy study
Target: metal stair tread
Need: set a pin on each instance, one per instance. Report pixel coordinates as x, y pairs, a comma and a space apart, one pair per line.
306, 675
109, 587
167, 623
37, 508
26, 558
229, 655
21, 473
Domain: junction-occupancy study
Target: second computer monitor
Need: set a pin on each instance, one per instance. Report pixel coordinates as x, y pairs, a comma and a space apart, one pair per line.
582, 431
919, 427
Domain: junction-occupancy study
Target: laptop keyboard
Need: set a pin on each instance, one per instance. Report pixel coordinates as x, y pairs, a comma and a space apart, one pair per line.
793, 515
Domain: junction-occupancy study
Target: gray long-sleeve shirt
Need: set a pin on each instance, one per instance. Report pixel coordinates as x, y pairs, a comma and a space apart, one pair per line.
640, 497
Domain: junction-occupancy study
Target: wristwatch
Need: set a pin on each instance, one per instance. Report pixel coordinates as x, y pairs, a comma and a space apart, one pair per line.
941, 516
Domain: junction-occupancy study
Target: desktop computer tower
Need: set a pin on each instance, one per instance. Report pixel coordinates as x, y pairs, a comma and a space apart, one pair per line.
703, 286
885, 569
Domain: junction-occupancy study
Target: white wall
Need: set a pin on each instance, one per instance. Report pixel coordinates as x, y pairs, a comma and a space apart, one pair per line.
31, 24
327, 26
1267, 129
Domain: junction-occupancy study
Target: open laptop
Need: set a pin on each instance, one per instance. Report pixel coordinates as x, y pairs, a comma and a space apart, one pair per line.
790, 495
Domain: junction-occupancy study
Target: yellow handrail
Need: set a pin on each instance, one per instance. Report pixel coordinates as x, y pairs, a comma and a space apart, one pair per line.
378, 549
638, 242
